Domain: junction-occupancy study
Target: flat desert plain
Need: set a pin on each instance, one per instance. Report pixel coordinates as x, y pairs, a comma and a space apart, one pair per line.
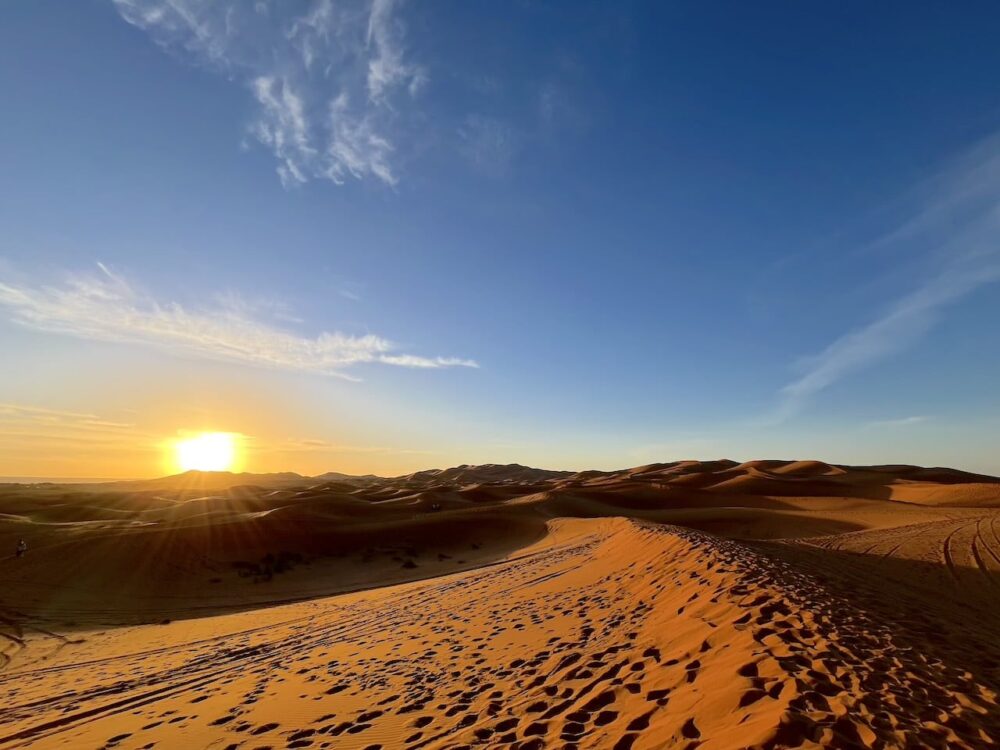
710, 605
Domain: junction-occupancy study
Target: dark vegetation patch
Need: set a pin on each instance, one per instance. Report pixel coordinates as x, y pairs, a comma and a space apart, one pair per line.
270, 565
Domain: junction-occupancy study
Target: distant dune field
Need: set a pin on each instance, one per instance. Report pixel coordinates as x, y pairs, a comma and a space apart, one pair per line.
710, 605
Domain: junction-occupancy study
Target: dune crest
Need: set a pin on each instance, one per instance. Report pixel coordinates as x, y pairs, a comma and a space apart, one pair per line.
670, 605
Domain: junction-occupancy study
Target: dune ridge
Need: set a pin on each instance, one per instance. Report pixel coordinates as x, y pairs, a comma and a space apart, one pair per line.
769, 604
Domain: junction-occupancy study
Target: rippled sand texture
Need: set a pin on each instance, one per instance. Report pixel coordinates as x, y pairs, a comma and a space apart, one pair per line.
711, 605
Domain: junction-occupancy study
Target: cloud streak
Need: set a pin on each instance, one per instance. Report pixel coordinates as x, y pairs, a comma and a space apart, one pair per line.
27, 428
67, 420
957, 224
901, 422
106, 307
313, 445
488, 144
329, 83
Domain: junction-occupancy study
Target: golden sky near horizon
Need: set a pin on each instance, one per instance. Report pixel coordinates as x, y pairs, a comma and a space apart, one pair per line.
64, 414
45, 442
286, 433
92, 425
129, 429
39, 442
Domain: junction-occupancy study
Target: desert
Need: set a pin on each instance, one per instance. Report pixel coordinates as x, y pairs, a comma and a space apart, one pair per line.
483, 375
768, 604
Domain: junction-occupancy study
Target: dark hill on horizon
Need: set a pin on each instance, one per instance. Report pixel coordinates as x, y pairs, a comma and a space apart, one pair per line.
769, 476
777, 604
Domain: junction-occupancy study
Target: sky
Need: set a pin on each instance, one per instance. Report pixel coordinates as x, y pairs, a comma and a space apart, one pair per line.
385, 236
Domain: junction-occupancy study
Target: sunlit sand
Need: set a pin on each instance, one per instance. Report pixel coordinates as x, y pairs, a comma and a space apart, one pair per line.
768, 605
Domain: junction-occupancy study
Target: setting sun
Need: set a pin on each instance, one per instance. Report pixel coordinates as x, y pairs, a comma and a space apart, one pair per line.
210, 451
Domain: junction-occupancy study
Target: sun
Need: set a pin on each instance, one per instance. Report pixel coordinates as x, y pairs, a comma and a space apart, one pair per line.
209, 451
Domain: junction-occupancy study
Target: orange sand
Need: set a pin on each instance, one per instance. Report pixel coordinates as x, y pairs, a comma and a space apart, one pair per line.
712, 605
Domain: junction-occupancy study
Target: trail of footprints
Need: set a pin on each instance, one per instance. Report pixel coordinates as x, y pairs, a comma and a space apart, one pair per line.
542, 653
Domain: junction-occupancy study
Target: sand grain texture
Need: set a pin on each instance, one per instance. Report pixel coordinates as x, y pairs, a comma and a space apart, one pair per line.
690, 605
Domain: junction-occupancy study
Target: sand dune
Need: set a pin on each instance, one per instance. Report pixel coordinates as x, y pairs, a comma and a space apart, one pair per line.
770, 604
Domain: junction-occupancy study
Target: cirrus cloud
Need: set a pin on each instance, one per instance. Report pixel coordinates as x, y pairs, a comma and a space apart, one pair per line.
329, 83
104, 306
956, 215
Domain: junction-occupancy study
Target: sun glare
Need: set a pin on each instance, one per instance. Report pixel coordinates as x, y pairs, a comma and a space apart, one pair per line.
210, 451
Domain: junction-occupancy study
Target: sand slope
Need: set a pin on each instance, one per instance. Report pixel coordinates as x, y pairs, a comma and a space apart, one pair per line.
663, 606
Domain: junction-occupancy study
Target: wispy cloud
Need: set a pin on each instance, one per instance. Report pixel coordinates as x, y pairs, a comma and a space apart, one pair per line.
955, 228
329, 82
351, 292
105, 306
29, 426
489, 144
312, 445
36, 415
900, 422
387, 68
321, 446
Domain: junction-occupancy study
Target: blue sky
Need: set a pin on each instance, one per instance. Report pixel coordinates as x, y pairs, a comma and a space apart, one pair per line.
391, 235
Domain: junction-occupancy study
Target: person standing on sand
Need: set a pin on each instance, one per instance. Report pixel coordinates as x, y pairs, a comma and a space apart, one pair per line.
22, 547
